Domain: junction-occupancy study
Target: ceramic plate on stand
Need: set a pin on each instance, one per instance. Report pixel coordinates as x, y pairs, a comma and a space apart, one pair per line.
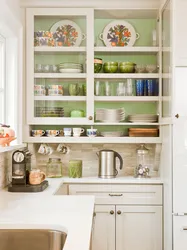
119, 33
67, 33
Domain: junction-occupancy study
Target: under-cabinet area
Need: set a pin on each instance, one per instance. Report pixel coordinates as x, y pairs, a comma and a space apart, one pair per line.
125, 216
98, 69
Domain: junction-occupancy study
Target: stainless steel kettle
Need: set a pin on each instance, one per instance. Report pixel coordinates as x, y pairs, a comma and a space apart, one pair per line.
107, 163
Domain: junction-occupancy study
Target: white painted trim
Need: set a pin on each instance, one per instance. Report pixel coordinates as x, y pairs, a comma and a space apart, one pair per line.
93, 4
126, 75
150, 50
60, 75
93, 139
127, 98
61, 98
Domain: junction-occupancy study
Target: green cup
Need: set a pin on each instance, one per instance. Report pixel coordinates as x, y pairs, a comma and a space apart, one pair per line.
74, 89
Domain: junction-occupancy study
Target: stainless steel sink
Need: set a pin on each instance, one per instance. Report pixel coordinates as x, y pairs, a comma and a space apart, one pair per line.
31, 239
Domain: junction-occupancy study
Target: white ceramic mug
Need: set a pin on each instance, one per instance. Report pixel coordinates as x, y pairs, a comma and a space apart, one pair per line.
42, 149
77, 131
67, 131
62, 149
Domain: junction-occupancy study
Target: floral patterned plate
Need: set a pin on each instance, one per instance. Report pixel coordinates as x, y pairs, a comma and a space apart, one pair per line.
67, 33
119, 33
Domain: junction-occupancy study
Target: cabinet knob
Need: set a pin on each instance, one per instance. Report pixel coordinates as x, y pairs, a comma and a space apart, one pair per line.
111, 212
90, 118
118, 212
177, 115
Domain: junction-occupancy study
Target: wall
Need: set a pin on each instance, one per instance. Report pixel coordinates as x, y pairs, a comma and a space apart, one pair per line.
10, 26
87, 153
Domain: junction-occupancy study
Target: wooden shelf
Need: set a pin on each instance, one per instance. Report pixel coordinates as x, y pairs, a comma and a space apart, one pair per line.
93, 139
126, 98
137, 50
60, 98
60, 75
126, 75
59, 49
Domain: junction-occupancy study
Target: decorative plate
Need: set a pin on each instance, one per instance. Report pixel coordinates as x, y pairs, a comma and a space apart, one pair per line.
67, 33
119, 33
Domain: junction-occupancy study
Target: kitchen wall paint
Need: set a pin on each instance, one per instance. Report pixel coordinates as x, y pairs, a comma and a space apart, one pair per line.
87, 153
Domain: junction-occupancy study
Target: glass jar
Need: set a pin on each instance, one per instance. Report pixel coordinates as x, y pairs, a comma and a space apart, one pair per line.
142, 167
54, 168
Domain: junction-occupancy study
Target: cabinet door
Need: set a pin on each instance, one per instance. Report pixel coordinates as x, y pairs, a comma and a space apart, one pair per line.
180, 232
180, 40
103, 234
138, 227
59, 66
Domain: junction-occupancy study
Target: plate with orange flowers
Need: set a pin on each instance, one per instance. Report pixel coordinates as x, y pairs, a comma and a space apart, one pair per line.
119, 33
67, 33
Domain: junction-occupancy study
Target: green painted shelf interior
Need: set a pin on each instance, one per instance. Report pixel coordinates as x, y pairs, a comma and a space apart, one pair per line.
142, 26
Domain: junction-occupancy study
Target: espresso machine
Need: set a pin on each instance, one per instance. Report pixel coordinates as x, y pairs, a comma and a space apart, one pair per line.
21, 167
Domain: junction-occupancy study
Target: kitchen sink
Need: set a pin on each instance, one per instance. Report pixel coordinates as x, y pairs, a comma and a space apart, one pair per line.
31, 239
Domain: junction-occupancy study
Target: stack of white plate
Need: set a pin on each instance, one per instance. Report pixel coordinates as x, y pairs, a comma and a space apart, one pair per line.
70, 67
110, 115
143, 118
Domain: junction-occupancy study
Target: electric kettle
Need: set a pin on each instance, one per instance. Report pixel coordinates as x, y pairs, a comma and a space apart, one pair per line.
107, 163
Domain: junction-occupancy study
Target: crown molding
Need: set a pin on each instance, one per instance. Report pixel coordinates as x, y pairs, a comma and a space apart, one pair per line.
142, 4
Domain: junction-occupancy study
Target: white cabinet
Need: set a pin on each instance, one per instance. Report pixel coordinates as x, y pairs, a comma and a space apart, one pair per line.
179, 164
180, 232
103, 234
180, 40
138, 227
127, 216
44, 50
179, 93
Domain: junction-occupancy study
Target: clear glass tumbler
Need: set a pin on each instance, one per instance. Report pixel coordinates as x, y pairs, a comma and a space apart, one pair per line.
108, 89
120, 90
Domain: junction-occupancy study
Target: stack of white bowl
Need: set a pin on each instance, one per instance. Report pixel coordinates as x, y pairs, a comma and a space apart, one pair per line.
143, 118
110, 115
70, 67
112, 134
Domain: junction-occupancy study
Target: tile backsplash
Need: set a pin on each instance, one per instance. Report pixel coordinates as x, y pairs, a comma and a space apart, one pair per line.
87, 153
5, 168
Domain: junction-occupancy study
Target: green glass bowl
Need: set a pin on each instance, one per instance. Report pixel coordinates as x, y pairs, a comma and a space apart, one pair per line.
110, 68
111, 63
77, 113
127, 67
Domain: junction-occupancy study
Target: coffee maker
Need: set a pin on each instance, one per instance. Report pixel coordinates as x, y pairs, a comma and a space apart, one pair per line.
21, 166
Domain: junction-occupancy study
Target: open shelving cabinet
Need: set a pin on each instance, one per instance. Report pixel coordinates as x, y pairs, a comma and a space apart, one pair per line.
91, 22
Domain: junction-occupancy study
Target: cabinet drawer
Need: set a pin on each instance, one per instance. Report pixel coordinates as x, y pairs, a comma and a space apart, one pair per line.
120, 194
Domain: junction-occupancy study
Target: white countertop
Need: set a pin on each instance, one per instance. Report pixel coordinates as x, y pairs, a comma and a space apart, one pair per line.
117, 180
44, 210
71, 214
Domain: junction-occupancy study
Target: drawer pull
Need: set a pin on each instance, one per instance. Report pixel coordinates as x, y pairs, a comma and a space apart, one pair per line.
111, 212
115, 194
118, 212
184, 228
